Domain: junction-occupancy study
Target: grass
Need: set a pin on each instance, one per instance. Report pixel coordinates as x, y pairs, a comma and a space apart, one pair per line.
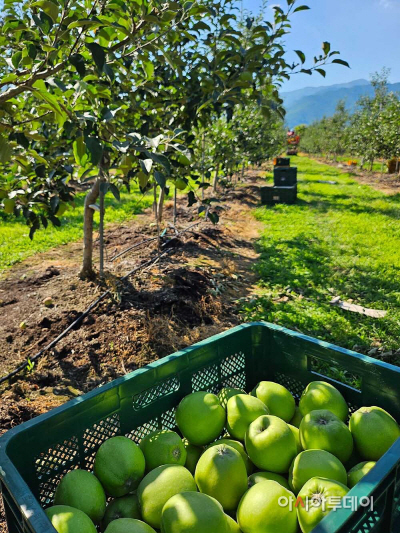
338, 240
15, 244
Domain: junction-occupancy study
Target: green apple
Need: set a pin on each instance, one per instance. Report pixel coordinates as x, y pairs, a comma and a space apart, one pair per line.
163, 447
297, 418
374, 431
271, 444
200, 418
158, 486
128, 525
319, 497
357, 472
124, 507
262, 509
246, 76
296, 434
82, 490
238, 446
193, 512
221, 473
9, 205
242, 410
315, 463
226, 394
322, 430
193, 454
322, 395
67, 519
119, 465
259, 477
233, 526
277, 398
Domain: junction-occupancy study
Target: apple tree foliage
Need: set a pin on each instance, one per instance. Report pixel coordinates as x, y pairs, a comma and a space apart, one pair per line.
97, 93
371, 132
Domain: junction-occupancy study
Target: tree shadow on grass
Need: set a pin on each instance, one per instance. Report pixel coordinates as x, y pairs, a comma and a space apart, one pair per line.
305, 264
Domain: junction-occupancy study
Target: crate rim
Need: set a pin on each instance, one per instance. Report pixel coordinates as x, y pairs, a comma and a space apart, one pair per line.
20, 491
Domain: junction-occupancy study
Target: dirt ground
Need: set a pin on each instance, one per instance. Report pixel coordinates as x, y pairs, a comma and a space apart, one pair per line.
190, 294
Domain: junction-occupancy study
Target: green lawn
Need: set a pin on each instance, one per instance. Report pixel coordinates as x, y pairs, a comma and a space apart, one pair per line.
15, 244
338, 240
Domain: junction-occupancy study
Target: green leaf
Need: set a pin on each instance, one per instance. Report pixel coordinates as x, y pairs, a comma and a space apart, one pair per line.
39, 88
78, 61
301, 8
48, 7
146, 165
98, 55
184, 160
148, 68
326, 47
108, 71
79, 149
32, 50
22, 139
213, 216
191, 198
104, 187
321, 71
40, 171
301, 55
85, 23
115, 191
35, 226
341, 62
95, 149
5, 150
143, 179
16, 59
160, 178
160, 159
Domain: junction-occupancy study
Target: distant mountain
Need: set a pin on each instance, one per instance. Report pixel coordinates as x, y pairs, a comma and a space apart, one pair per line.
312, 103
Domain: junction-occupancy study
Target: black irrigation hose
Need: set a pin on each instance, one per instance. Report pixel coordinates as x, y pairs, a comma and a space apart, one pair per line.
132, 248
91, 307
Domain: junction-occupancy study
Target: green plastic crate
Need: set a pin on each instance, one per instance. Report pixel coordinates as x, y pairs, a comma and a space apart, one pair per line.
35, 455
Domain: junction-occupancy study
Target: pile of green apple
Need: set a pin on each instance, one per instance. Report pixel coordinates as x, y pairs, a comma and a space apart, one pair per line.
214, 482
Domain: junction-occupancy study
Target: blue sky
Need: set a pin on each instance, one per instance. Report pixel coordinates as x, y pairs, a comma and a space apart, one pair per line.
365, 31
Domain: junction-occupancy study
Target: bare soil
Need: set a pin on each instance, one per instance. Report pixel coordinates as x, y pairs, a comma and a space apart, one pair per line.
190, 294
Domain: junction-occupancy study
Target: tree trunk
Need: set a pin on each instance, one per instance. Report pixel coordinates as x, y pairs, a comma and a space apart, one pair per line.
160, 204
87, 271
203, 148
242, 178
101, 231
175, 195
216, 178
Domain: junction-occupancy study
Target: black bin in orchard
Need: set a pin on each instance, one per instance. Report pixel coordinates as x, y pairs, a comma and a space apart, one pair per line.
285, 176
